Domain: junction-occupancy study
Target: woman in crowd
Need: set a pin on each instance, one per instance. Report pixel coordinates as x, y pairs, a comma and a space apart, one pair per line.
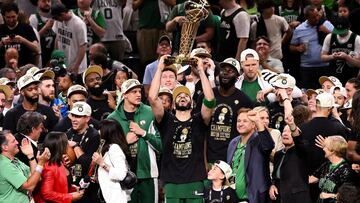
112, 162
54, 183
333, 173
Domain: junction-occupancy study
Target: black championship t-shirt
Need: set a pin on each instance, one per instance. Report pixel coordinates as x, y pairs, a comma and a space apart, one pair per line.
25, 54
100, 108
223, 122
277, 115
226, 195
14, 114
319, 126
183, 149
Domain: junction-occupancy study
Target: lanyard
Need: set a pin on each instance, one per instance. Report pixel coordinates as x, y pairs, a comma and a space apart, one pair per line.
221, 194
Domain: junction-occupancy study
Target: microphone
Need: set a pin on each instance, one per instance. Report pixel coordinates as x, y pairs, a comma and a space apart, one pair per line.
84, 182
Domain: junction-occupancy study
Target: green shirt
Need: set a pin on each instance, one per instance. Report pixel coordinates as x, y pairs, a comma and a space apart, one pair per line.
251, 89
238, 164
12, 175
149, 15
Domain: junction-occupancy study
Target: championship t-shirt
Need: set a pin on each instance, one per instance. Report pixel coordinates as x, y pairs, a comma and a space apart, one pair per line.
223, 122
183, 149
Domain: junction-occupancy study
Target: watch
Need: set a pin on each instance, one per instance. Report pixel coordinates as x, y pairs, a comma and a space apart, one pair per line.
32, 158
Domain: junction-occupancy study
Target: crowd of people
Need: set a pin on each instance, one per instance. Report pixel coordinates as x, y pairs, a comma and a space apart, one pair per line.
267, 108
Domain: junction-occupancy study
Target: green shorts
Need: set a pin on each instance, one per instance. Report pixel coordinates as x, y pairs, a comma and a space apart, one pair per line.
184, 193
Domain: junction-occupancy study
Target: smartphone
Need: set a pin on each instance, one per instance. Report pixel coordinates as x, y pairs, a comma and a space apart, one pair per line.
40, 148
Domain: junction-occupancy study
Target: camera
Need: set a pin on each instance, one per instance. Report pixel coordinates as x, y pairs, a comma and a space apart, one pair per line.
12, 36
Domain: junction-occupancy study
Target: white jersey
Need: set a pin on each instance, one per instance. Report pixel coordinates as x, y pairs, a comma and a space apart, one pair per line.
71, 35
112, 11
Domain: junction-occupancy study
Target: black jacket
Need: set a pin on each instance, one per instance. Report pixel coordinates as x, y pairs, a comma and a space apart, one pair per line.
293, 183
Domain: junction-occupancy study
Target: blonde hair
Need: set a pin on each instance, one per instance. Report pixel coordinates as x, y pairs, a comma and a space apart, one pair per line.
259, 109
336, 144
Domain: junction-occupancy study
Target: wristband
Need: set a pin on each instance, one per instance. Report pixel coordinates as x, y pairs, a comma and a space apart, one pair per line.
39, 169
293, 130
32, 158
287, 98
209, 104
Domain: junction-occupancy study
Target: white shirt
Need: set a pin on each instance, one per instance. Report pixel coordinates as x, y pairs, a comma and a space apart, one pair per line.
71, 35
110, 181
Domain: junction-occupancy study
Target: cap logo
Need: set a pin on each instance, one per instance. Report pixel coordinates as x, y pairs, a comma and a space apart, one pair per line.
284, 81
233, 63
333, 79
130, 83
80, 109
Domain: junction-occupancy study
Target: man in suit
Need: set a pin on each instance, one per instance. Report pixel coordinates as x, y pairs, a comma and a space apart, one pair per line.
289, 178
248, 155
30, 126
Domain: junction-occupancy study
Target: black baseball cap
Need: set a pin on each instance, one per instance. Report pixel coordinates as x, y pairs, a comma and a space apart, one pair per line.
341, 25
57, 9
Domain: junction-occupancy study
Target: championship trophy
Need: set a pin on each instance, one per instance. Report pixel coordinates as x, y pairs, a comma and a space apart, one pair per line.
195, 11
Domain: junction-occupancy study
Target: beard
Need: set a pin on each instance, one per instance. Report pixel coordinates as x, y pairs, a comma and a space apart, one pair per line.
228, 84
96, 91
183, 108
45, 10
48, 98
31, 99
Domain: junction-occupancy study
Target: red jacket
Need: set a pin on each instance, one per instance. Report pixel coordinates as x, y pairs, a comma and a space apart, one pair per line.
53, 185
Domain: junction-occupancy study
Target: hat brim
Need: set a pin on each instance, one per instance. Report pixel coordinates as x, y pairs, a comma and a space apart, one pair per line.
222, 64
77, 92
203, 55
166, 93
48, 73
339, 32
92, 69
7, 91
135, 86
322, 79
32, 82
180, 89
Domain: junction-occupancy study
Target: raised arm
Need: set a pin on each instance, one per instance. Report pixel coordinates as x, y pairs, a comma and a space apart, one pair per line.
153, 97
209, 99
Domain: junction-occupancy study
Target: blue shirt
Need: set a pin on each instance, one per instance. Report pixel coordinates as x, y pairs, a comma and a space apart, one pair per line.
63, 109
150, 72
306, 33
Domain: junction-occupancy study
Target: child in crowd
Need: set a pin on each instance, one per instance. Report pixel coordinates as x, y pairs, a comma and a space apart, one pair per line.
220, 191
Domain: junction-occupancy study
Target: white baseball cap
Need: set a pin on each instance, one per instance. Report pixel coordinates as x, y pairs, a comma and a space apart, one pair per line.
325, 100
200, 52
130, 84
225, 168
25, 81
6, 81
76, 88
334, 80
342, 90
248, 52
284, 80
81, 109
231, 62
